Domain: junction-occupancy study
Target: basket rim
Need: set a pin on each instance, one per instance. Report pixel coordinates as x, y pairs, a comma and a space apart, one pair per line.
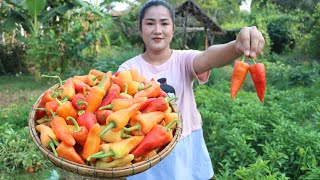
102, 172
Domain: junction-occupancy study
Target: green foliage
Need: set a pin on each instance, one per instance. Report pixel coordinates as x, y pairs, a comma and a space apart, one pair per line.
313, 39
12, 60
247, 139
280, 33
17, 152
111, 57
288, 72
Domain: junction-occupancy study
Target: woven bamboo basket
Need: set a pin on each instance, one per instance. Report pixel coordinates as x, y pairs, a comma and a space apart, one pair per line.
91, 171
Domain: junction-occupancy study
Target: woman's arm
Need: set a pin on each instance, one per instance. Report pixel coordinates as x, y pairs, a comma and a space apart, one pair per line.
249, 42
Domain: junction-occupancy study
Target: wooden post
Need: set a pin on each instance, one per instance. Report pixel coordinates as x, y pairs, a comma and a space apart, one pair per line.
206, 38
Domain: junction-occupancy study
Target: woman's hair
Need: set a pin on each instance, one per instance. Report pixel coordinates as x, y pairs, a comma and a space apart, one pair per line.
151, 3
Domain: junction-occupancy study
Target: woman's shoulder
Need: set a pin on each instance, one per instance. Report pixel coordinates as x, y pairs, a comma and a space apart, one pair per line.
186, 52
130, 62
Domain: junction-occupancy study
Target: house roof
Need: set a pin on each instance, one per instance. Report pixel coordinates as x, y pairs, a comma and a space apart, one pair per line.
199, 14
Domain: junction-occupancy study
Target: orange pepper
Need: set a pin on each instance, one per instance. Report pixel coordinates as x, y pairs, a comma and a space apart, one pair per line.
118, 104
239, 74
96, 72
92, 144
133, 86
125, 75
119, 149
150, 92
135, 75
60, 128
68, 90
46, 133
96, 95
81, 78
170, 117
66, 109
68, 152
143, 123
117, 120
108, 81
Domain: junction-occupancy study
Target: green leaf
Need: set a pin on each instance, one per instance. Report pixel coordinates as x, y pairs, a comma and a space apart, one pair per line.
47, 15
35, 6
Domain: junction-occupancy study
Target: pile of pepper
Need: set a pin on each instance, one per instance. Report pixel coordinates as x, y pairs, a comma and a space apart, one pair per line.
258, 75
105, 119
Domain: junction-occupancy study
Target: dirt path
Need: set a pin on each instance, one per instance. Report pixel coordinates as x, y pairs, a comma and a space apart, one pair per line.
8, 98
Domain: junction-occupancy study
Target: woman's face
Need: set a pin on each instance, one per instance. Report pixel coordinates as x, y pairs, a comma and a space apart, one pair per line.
157, 28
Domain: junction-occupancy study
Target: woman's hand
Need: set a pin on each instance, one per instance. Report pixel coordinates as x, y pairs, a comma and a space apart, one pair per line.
249, 42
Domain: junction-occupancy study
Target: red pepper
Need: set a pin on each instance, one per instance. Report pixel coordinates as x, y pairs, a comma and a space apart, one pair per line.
79, 85
102, 115
80, 133
79, 102
114, 91
87, 119
238, 76
50, 106
157, 137
146, 104
160, 104
258, 75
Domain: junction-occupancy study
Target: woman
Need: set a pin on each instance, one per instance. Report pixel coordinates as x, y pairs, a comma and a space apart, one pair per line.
190, 158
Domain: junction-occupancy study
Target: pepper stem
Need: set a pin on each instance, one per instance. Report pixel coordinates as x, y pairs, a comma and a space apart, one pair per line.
59, 102
60, 81
53, 113
111, 125
170, 99
109, 106
51, 144
102, 82
81, 112
81, 102
125, 88
41, 109
135, 127
144, 87
100, 154
254, 62
170, 124
76, 125
124, 135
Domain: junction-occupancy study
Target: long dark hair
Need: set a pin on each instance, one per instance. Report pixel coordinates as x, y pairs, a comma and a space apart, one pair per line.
151, 3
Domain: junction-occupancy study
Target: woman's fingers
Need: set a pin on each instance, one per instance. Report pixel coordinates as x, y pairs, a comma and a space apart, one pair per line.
261, 43
250, 42
254, 41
